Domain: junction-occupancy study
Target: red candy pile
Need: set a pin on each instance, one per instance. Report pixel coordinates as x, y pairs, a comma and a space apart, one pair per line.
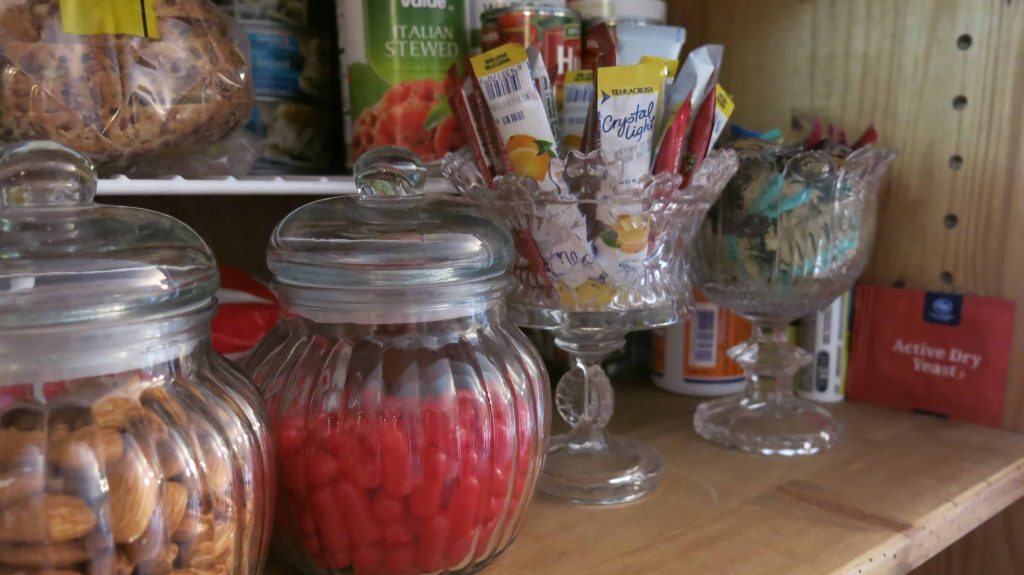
409, 488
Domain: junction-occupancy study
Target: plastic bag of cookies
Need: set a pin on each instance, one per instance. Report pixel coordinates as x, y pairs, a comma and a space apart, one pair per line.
124, 81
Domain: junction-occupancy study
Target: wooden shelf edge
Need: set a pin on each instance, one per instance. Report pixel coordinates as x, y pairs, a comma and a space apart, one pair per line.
943, 527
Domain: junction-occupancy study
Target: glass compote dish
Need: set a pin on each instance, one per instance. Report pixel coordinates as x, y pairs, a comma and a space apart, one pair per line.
596, 261
790, 234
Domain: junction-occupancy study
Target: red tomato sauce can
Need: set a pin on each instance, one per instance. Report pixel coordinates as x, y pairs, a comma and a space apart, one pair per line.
556, 32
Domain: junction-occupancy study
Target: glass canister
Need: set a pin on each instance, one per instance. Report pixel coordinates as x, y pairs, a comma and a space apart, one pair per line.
411, 417
127, 445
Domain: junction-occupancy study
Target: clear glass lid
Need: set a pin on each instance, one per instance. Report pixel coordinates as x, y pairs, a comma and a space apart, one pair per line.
390, 246
66, 259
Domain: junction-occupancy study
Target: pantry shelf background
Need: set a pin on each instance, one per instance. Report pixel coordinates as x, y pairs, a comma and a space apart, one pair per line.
943, 81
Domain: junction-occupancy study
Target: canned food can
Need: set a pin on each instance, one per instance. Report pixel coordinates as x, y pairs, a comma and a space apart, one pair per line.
295, 135
477, 8
394, 57
693, 358
556, 32
826, 336
288, 62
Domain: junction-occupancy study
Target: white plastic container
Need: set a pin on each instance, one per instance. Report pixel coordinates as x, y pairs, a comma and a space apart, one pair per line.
825, 336
648, 11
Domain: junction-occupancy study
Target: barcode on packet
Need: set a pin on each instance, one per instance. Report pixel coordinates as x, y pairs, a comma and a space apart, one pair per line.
575, 95
825, 317
513, 118
502, 84
703, 337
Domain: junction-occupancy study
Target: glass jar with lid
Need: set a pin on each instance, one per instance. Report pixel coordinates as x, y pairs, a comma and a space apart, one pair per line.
411, 417
127, 445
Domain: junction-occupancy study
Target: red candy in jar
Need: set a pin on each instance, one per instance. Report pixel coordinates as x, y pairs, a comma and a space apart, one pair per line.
410, 415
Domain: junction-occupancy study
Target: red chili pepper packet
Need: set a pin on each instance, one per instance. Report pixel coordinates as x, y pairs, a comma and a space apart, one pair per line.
837, 135
870, 136
936, 353
458, 98
700, 135
816, 136
673, 145
603, 47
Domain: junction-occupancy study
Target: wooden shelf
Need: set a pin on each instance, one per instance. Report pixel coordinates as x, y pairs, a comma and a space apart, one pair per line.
898, 490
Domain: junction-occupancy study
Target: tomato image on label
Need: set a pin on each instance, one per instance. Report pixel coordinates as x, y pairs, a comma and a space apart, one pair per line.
414, 115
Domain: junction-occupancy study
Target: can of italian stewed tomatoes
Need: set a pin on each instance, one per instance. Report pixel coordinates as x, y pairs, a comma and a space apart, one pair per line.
555, 31
394, 57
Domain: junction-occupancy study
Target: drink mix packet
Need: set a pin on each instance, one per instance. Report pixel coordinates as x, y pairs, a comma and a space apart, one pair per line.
504, 78
629, 106
494, 148
691, 84
724, 107
600, 53
671, 66
670, 152
671, 70
545, 87
459, 93
707, 126
579, 99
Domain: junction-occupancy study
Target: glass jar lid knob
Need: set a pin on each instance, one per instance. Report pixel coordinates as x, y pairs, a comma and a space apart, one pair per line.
45, 174
390, 172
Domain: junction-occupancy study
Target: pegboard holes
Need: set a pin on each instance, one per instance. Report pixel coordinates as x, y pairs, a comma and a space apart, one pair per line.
956, 162
900, 284
951, 221
960, 102
946, 278
964, 42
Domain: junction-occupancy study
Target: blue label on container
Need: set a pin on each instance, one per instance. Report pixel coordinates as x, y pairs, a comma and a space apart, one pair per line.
943, 308
277, 63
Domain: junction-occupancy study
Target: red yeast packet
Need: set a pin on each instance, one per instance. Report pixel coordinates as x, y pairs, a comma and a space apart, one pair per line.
937, 353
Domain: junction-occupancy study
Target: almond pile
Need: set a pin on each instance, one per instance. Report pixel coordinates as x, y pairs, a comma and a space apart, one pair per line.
126, 484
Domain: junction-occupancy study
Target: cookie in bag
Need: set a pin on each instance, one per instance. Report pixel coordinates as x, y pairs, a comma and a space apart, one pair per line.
180, 79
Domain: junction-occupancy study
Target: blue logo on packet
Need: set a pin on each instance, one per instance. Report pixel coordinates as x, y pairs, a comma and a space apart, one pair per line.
943, 308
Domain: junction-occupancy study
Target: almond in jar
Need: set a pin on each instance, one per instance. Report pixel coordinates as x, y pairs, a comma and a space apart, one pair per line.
126, 444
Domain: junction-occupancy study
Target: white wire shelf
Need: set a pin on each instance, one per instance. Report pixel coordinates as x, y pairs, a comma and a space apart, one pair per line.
249, 186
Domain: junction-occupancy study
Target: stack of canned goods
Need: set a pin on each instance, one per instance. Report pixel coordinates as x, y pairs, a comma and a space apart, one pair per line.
293, 83
547, 25
395, 55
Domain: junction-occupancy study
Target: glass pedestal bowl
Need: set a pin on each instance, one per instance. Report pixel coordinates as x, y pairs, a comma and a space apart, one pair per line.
595, 262
786, 238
